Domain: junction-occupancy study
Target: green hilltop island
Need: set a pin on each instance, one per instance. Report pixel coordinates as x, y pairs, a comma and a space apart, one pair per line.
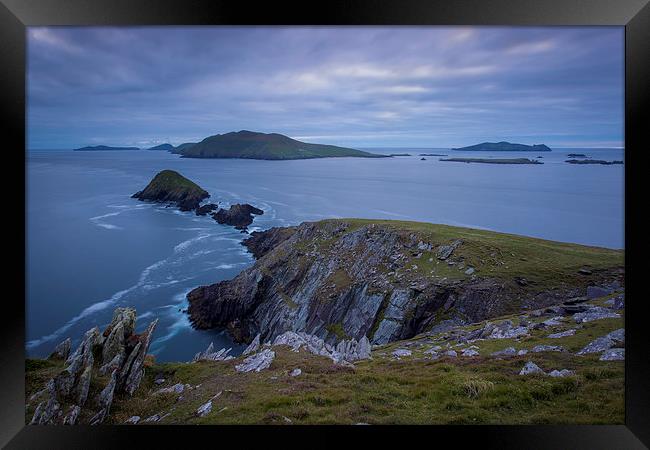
272, 146
98, 148
504, 147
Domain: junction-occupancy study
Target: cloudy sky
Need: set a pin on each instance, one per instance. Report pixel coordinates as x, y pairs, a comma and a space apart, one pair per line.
350, 86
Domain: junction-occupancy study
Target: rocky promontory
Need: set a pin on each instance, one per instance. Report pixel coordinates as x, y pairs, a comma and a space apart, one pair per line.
169, 186
389, 280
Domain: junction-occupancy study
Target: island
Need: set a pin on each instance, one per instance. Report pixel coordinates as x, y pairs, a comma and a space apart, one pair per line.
252, 145
592, 161
494, 160
164, 147
99, 148
504, 147
432, 154
399, 154
577, 155
169, 186
239, 216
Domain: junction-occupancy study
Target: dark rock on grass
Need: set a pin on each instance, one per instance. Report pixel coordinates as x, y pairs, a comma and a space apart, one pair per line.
239, 216
169, 186
205, 209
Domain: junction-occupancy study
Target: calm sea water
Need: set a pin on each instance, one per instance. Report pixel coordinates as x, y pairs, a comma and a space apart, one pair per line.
91, 248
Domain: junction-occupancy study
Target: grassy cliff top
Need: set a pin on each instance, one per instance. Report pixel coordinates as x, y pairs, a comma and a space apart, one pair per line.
253, 145
499, 255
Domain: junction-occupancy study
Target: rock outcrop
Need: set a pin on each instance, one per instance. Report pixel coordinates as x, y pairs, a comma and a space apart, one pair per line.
239, 215
346, 279
118, 351
169, 186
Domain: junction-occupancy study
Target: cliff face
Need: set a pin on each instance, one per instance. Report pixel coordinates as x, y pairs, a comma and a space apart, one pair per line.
388, 280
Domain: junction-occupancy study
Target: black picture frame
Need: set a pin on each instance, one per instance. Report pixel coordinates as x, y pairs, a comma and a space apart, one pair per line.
16, 15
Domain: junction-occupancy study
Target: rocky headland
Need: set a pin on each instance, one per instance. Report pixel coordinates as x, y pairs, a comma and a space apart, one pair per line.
389, 280
239, 216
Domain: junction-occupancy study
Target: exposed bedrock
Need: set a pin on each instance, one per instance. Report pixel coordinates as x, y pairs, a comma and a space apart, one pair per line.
345, 279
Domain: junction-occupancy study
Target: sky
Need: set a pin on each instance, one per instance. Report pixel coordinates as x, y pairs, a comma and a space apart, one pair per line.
421, 87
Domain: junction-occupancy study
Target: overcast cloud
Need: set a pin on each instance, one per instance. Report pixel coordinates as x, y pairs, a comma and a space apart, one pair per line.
354, 86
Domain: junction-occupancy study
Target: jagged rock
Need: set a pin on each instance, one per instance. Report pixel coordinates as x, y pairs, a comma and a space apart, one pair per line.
613, 354
114, 344
531, 368
210, 355
71, 417
445, 251
561, 373
63, 349
136, 370
451, 353
257, 362
84, 385
562, 334
47, 412
113, 364
205, 209
508, 351
90, 338
104, 400
133, 420
605, 342
204, 409
595, 313
175, 389
504, 330
295, 372
522, 352
400, 352
154, 418
253, 346
547, 348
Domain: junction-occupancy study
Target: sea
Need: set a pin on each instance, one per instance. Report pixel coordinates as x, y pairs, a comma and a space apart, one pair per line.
91, 247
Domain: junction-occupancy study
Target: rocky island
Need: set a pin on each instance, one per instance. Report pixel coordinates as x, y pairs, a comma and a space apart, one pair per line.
252, 145
98, 148
163, 147
389, 280
494, 160
593, 161
171, 187
504, 147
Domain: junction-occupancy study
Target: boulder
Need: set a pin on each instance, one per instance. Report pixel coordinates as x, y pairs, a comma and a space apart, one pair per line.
595, 313
63, 349
597, 292
613, 354
133, 420
531, 368
401, 352
508, 351
547, 348
605, 342
562, 334
295, 372
257, 362
445, 251
561, 373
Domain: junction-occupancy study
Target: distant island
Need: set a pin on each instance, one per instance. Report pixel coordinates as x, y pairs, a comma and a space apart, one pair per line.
252, 145
164, 147
577, 155
592, 161
504, 147
432, 154
400, 154
494, 161
97, 148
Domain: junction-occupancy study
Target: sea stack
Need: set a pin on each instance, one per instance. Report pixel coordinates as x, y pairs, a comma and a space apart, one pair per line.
169, 186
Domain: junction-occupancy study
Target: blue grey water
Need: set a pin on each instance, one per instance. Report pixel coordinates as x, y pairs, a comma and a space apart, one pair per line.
91, 248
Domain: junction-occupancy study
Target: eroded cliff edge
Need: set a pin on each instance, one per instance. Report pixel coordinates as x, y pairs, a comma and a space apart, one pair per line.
390, 280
